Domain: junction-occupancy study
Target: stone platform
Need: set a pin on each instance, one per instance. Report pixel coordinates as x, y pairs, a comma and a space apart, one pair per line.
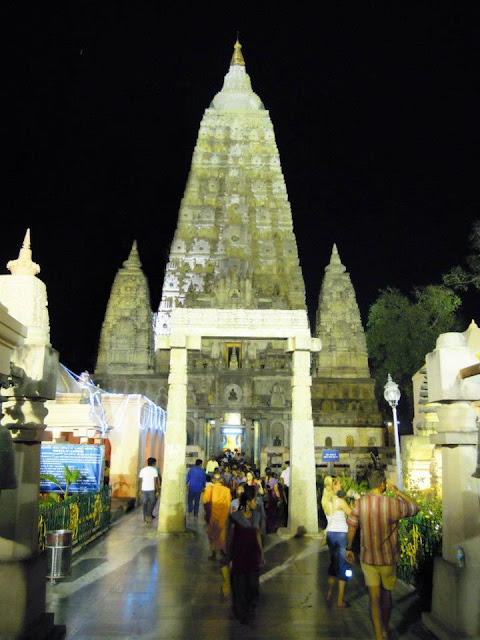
136, 584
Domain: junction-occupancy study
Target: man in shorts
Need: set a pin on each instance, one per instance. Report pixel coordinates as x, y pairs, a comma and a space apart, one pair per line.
377, 516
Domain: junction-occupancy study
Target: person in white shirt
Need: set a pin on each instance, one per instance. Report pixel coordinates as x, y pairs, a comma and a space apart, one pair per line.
212, 464
150, 487
285, 476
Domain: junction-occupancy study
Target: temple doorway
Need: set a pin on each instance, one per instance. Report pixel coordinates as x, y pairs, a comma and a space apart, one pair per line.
232, 438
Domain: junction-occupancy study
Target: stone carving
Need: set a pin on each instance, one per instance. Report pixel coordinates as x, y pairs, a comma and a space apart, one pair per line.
255, 323
250, 260
233, 278
233, 394
126, 340
342, 392
278, 434
277, 397
339, 326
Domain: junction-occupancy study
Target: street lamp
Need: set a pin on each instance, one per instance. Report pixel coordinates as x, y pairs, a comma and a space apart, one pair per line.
391, 393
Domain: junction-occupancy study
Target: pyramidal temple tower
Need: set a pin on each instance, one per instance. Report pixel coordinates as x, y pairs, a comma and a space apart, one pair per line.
233, 347
234, 247
339, 325
126, 340
344, 406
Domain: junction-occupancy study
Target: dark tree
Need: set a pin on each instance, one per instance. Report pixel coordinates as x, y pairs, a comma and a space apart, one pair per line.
401, 330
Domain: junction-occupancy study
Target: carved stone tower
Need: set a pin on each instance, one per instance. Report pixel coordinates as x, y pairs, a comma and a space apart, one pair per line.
343, 392
338, 324
234, 247
126, 340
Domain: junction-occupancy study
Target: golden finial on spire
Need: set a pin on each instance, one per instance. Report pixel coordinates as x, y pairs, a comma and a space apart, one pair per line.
237, 58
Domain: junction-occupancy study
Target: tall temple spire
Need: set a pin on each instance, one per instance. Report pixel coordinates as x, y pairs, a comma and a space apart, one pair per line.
339, 325
234, 246
126, 339
24, 265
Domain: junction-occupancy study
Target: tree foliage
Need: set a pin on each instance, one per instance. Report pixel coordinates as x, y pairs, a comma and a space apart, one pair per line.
401, 330
460, 278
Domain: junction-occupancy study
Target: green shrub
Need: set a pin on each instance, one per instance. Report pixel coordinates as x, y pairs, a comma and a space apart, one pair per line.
420, 541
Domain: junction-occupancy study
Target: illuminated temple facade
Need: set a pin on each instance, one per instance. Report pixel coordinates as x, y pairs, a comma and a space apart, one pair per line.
234, 248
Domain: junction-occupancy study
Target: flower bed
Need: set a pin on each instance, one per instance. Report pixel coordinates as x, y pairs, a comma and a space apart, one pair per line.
85, 514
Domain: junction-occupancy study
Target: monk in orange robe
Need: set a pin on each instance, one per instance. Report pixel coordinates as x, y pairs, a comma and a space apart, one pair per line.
216, 502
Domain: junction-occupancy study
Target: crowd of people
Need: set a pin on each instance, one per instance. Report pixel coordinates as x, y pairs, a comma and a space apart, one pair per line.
242, 506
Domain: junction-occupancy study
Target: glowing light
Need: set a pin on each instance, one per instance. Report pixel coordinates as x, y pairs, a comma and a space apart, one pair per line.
152, 416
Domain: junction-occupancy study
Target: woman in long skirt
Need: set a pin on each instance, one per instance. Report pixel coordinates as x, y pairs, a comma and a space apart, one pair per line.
245, 555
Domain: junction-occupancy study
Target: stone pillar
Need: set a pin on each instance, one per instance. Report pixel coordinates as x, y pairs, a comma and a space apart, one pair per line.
206, 443
256, 448
456, 590
302, 508
171, 518
22, 568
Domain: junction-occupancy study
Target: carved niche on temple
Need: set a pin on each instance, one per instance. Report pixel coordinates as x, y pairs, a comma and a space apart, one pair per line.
277, 397
232, 394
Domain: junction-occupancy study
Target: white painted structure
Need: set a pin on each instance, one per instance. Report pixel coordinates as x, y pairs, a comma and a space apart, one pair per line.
456, 590
22, 568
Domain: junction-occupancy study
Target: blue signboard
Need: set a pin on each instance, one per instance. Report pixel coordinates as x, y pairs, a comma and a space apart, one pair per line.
330, 455
87, 458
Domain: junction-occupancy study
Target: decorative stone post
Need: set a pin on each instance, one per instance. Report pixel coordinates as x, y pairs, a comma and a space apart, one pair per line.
22, 568
456, 589
302, 508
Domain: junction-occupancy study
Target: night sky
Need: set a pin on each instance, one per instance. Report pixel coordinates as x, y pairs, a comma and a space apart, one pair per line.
375, 112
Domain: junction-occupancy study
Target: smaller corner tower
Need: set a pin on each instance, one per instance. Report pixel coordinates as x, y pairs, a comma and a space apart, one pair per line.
339, 325
126, 339
343, 399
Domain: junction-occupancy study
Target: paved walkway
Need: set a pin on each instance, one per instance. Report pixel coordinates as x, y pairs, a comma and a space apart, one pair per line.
135, 584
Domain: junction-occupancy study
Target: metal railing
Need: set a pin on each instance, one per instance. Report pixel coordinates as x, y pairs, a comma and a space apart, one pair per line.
85, 514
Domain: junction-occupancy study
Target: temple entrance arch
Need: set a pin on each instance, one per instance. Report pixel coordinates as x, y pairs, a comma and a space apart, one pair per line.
189, 326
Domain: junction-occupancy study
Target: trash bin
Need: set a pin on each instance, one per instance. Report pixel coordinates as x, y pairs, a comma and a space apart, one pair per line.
59, 553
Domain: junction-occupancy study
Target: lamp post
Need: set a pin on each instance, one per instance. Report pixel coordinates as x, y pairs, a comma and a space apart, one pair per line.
391, 393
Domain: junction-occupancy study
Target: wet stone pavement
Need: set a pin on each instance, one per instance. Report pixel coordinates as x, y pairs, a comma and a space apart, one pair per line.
134, 583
